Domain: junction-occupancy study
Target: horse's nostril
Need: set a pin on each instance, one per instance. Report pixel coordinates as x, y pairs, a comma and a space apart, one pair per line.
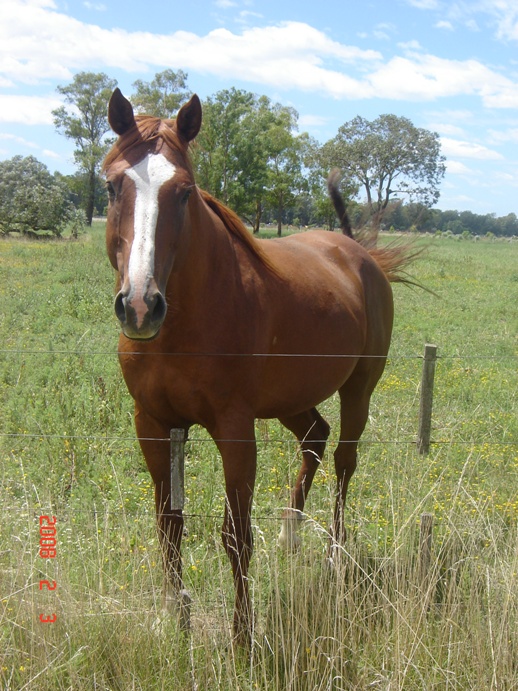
120, 309
158, 308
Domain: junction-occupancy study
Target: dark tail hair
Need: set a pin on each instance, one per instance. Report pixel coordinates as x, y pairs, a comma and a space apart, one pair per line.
332, 185
393, 258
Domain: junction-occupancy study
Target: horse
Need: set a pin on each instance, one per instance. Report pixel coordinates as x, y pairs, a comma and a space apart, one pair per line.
219, 329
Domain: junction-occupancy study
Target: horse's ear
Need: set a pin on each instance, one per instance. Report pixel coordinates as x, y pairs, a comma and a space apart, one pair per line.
188, 120
120, 113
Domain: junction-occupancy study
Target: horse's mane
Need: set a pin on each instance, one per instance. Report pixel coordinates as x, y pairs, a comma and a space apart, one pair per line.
235, 226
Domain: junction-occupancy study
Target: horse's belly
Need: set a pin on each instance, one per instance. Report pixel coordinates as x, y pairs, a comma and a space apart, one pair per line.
300, 383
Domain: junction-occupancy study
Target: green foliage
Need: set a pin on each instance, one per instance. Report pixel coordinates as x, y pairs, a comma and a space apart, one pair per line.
163, 96
388, 156
32, 199
248, 156
85, 121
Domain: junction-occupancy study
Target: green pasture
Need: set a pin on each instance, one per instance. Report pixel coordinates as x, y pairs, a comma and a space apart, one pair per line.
374, 620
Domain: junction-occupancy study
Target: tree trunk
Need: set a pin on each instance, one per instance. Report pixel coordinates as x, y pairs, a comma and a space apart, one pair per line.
90, 199
258, 214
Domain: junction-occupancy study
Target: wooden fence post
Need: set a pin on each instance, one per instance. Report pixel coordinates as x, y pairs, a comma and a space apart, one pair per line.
425, 406
425, 548
177, 496
176, 503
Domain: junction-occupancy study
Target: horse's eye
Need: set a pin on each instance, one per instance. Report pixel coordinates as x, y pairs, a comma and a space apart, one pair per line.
111, 191
186, 195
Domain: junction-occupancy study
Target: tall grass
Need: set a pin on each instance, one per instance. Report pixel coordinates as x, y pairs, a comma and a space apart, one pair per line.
371, 618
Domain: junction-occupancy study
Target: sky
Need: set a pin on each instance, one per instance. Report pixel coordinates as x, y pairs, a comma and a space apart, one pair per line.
450, 67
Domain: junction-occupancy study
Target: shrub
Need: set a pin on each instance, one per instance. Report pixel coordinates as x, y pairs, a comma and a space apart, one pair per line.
32, 199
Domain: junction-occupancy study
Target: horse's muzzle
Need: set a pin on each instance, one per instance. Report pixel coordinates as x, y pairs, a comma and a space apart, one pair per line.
140, 318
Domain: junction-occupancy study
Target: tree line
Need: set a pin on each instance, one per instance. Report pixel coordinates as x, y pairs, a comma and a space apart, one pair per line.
251, 155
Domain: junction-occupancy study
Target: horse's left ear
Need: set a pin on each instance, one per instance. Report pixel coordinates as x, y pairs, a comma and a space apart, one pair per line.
120, 113
188, 120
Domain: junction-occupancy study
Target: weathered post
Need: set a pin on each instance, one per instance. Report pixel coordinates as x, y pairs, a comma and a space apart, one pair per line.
425, 548
176, 503
425, 406
177, 496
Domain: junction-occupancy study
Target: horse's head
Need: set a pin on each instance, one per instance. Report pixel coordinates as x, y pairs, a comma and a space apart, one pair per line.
149, 179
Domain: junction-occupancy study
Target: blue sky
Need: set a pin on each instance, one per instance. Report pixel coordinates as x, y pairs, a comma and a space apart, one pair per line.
451, 67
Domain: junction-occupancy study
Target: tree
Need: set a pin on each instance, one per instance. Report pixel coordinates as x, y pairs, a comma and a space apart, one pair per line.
285, 177
86, 123
163, 96
245, 143
389, 156
32, 199
216, 156
318, 168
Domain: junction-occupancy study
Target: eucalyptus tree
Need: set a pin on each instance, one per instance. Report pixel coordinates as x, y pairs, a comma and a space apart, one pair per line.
217, 155
163, 95
84, 120
286, 180
388, 156
246, 153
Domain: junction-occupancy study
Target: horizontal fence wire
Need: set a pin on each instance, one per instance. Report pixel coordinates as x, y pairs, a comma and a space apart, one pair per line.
329, 441
92, 353
104, 353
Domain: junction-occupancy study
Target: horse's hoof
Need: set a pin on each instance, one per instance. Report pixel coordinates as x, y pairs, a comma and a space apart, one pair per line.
288, 537
178, 605
184, 609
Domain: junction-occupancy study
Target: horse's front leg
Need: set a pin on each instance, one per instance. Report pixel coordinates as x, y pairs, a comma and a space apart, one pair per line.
156, 447
236, 443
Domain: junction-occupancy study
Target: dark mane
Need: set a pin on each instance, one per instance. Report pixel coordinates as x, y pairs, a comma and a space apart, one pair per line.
235, 226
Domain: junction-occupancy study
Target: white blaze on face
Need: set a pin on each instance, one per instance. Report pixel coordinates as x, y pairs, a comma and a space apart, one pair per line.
148, 175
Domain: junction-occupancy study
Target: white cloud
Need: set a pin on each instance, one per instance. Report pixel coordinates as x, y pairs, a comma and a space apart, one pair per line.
39, 43
424, 4
458, 168
18, 140
96, 6
28, 110
427, 77
500, 137
313, 121
446, 128
463, 149
443, 24
51, 154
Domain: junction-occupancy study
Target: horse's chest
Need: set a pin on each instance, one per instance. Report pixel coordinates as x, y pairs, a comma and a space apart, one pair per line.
170, 390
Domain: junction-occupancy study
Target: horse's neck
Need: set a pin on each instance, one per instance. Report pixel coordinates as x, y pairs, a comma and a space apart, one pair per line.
210, 257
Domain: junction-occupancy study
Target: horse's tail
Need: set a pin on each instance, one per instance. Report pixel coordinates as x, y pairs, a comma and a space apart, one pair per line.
392, 259
338, 202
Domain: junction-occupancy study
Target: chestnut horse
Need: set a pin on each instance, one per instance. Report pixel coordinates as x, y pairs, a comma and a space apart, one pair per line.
219, 329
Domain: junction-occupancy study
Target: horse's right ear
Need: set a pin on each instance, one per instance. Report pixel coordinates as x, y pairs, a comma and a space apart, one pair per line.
120, 113
188, 120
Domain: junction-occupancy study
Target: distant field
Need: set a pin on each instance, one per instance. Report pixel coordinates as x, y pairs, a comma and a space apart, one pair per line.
67, 449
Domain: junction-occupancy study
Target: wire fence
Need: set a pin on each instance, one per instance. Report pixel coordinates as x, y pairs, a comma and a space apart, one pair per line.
197, 439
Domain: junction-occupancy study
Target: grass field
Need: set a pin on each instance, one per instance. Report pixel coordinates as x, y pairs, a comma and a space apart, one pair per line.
374, 622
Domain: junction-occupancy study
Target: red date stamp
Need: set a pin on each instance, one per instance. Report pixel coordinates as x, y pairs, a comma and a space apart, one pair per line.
48, 550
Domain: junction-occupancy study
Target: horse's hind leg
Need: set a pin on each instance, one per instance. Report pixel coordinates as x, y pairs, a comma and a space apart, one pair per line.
312, 432
355, 398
